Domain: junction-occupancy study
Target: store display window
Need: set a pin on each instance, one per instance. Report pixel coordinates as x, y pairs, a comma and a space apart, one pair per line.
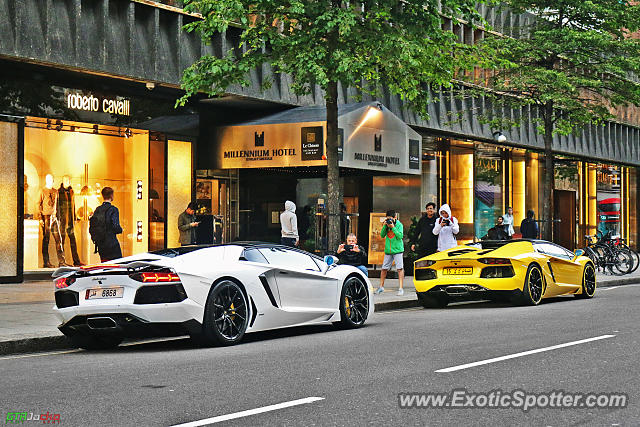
66, 165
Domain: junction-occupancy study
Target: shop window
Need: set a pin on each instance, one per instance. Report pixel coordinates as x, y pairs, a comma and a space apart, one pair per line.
156, 194
608, 184
633, 208
461, 190
429, 188
179, 186
66, 167
488, 191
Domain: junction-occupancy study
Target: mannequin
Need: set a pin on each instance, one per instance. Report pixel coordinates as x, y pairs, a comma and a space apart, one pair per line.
47, 204
27, 215
66, 214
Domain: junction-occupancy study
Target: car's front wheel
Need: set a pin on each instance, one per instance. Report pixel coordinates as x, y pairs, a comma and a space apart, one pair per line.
226, 315
588, 282
96, 342
354, 303
533, 286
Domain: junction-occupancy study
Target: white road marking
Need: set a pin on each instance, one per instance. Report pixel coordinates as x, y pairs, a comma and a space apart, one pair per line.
250, 412
524, 353
620, 286
51, 353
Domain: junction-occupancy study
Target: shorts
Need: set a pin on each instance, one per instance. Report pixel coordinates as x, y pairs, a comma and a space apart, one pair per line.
388, 260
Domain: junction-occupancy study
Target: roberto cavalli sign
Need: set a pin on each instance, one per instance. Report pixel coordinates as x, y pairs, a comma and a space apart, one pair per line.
90, 102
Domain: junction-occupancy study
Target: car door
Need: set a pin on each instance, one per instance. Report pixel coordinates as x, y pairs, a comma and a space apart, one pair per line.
302, 286
566, 271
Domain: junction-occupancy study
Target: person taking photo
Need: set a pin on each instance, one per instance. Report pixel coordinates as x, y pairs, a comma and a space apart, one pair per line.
350, 253
426, 243
446, 229
392, 232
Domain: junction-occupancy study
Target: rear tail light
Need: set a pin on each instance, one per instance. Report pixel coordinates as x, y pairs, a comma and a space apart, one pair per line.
64, 282
156, 277
424, 263
494, 261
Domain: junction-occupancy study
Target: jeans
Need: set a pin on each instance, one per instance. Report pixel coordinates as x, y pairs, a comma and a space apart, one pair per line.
363, 269
66, 229
288, 241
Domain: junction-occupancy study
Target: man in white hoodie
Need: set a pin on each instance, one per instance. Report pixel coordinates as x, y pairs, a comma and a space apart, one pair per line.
289, 224
446, 229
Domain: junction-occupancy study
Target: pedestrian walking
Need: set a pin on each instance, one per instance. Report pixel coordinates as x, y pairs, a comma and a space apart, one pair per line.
350, 253
529, 226
104, 225
508, 222
187, 225
392, 232
289, 224
426, 243
446, 229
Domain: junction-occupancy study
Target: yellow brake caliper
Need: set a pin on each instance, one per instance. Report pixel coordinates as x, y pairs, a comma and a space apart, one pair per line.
347, 306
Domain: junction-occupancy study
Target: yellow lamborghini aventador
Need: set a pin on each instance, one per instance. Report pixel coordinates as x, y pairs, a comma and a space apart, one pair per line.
522, 271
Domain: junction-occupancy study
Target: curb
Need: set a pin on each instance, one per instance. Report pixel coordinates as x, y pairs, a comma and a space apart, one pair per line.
32, 345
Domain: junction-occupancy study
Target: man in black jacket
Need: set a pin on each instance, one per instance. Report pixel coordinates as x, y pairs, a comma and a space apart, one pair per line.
353, 254
497, 232
427, 242
109, 248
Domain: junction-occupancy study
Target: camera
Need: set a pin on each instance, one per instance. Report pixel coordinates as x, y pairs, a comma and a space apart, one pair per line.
389, 221
446, 222
348, 247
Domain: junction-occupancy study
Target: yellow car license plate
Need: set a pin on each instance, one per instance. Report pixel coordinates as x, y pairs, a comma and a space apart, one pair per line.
457, 271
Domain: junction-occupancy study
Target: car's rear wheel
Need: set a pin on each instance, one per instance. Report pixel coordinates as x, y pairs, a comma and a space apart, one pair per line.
354, 303
434, 301
226, 315
533, 286
588, 282
96, 342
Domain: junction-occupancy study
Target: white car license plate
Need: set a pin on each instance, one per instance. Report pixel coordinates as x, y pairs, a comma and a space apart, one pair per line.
100, 293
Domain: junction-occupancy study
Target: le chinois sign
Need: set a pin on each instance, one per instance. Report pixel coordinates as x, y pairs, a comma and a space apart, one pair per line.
89, 102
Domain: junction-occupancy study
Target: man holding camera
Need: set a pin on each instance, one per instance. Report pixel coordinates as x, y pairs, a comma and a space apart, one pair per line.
353, 254
392, 232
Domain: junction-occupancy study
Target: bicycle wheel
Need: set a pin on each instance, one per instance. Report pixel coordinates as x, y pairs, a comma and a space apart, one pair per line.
635, 255
623, 261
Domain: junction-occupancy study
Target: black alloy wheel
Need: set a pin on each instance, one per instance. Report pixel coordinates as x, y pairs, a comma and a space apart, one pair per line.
533, 286
354, 303
588, 282
226, 315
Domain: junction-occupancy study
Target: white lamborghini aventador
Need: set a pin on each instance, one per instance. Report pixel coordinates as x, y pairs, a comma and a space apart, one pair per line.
214, 293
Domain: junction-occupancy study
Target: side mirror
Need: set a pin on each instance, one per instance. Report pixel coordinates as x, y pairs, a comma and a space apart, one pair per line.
577, 253
330, 260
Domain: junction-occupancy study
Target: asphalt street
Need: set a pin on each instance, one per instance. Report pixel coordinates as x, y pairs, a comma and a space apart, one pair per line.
331, 377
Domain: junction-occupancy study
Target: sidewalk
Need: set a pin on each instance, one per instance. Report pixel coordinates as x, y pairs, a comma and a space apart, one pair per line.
27, 322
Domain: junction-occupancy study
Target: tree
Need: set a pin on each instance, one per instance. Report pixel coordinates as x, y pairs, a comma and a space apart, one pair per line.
399, 45
575, 63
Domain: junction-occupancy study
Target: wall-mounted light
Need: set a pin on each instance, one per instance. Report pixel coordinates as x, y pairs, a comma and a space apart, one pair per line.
128, 133
49, 124
379, 105
139, 231
499, 136
59, 125
139, 190
95, 129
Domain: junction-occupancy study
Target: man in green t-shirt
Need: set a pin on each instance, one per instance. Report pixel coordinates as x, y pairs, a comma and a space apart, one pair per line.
392, 232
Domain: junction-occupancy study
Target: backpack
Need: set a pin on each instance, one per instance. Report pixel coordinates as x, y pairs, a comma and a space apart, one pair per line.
98, 227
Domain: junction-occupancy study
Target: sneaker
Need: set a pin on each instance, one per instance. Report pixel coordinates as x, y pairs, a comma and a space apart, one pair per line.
400, 292
379, 290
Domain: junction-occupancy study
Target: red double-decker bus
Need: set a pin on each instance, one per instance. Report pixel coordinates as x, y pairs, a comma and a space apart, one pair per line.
609, 216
